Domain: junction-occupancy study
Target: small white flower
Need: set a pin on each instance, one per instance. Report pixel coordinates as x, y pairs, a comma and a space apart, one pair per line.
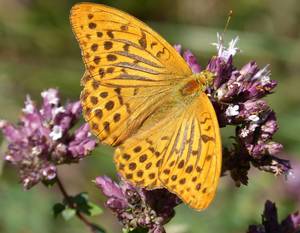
254, 118
252, 127
220, 93
61, 146
45, 172
56, 133
232, 110
244, 133
26, 182
263, 75
29, 107
219, 44
224, 52
265, 80
36, 150
58, 110
232, 48
51, 96
236, 83
2, 123
49, 173
8, 158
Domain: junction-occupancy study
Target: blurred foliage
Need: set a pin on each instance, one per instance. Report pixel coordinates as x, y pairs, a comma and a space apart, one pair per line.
38, 51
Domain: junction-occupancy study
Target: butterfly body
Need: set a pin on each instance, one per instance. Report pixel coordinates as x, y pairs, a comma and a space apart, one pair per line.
141, 97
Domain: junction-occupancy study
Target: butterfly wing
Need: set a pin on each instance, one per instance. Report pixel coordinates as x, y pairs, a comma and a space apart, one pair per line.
182, 154
116, 113
130, 69
139, 159
192, 165
128, 95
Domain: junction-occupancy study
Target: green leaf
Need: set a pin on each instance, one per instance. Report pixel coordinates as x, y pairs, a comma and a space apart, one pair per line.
84, 195
58, 208
68, 213
83, 205
94, 209
81, 198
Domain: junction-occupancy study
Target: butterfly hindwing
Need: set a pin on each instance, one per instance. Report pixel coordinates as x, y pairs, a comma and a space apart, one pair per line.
192, 165
140, 158
184, 153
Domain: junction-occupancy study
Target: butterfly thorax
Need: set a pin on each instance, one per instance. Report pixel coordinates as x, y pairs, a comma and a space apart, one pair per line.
197, 82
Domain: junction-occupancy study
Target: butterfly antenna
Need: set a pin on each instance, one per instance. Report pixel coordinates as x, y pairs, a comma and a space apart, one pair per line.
227, 22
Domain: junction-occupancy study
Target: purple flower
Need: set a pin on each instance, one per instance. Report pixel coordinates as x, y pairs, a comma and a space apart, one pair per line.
256, 134
81, 144
191, 61
270, 223
249, 83
136, 207
237, 95
222, 70
190, 58
42, 138
113, 191
178, 48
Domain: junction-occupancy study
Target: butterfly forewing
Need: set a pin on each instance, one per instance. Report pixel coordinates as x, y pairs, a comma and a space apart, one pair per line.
115, 113
111, 39
130, 69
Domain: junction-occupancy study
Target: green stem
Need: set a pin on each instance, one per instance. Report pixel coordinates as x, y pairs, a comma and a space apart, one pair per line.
81, 217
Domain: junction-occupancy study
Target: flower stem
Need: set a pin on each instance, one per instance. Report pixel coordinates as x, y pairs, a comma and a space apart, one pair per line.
81, 217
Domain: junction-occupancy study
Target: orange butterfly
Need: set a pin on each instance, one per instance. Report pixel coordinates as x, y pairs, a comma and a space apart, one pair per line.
140, 96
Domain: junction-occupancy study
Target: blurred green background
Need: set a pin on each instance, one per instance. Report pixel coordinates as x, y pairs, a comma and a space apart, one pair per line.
38, 51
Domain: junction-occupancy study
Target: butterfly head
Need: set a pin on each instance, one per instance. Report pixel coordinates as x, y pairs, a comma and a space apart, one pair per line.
205, 79
199, 81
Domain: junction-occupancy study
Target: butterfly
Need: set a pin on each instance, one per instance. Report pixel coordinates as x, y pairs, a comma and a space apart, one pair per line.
141, 97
